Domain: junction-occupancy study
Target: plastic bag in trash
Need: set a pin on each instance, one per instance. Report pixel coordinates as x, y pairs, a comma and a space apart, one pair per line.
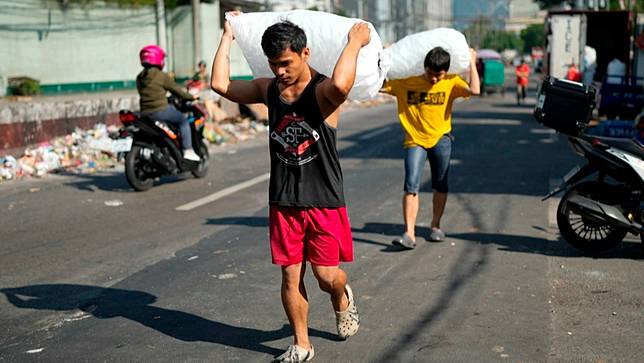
405, 58
326, 37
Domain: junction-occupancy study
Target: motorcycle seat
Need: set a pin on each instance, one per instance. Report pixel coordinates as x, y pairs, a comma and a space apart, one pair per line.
631, 146
171, 126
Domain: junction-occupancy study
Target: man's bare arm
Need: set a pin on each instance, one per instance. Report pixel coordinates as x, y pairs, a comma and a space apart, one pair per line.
336, 89
236, 91
475, 81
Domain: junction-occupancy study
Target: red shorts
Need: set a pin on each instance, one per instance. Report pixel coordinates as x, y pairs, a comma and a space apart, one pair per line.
321, 236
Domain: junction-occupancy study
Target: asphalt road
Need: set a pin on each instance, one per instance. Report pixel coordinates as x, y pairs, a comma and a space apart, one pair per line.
83, 281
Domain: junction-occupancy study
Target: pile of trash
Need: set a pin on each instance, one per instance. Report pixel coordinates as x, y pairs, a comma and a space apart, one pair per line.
72, 152
87, 151
233, 131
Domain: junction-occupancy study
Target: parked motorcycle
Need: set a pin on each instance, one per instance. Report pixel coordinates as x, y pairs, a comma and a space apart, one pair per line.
602, 200
155, 149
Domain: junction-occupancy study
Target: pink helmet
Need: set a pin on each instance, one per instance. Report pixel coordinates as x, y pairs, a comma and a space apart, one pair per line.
152, 55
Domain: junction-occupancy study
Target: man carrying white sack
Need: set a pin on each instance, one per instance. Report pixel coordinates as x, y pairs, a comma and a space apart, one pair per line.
308, 219
425, 112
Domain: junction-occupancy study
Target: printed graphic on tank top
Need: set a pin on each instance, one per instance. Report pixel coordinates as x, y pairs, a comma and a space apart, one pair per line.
296, 136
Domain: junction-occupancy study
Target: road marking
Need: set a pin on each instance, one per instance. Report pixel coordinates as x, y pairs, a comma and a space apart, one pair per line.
373, 133
223, 193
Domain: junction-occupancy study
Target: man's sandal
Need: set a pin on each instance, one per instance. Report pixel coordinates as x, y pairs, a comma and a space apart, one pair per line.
295, 354
348, 321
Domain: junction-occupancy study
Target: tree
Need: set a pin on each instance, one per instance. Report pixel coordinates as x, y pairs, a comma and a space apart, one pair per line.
532, 36
477, 31
500, 40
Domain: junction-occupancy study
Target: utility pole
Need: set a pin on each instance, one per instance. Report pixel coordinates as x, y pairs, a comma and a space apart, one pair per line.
196, 30
162, 39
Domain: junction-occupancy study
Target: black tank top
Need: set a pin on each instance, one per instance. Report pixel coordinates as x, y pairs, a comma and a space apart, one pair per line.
305, 168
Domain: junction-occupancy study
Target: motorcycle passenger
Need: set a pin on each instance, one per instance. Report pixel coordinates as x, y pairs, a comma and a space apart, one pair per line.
152, 84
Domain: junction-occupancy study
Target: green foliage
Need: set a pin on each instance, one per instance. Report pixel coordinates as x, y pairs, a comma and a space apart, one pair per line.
500, 40
477, 31
481, 34
341, 12
24, 86
532, 36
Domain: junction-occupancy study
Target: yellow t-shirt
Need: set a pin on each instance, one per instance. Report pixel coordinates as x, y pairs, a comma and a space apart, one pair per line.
425, 111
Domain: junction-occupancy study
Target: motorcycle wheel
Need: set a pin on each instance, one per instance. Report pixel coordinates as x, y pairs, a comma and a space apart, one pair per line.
134, 170
202, 170
583, 233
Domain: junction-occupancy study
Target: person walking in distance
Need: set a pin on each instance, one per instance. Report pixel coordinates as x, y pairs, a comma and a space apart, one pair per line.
522, 72
308, 220
425, 112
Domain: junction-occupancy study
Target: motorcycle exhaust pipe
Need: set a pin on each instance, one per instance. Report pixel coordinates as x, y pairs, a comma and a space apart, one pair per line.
603, 213
163, 161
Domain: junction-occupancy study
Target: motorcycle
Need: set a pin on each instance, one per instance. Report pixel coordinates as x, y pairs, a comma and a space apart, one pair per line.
155, 146
602, 200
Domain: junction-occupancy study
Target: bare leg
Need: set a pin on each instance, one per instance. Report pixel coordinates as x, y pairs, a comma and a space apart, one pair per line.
333, 280
410, 205
296, 302
439, 200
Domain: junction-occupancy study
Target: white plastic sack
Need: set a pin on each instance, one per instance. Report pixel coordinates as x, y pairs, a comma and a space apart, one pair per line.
326, 37
405, 57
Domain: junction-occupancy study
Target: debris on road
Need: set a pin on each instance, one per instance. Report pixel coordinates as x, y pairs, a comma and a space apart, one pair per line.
226, 276
113, 203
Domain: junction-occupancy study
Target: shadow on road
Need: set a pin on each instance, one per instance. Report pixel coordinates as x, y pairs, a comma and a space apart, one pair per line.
238, 221
527, 244
106, 303
387, 229
112, 182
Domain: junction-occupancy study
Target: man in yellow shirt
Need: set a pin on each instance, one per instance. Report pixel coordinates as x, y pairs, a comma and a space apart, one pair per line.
425, 112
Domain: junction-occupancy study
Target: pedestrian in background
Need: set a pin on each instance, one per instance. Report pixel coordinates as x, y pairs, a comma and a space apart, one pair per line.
522, 72
425, 112
200, 85
307, 217
573, 73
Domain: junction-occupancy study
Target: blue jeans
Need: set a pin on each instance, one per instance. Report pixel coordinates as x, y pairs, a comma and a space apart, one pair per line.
172, 115
438, 157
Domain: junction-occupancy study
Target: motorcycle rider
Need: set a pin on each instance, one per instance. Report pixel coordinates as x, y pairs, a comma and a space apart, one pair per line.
152, 84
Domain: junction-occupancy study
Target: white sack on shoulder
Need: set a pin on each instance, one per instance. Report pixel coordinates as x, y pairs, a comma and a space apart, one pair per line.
326, 37
407, 56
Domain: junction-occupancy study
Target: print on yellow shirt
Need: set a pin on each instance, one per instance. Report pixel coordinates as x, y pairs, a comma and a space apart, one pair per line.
425, 110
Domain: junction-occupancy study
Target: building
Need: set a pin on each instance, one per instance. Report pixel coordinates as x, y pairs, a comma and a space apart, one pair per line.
393, 19
523, 13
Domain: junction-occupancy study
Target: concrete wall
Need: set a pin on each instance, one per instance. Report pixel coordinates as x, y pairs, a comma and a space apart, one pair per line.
40, 40
31, 122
